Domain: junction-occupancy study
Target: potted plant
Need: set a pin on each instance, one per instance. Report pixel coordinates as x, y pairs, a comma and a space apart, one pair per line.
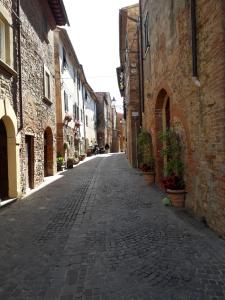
82, 156
145, 156
70, 162
68, 117
77, 123
174, 167
60, 163
76, 158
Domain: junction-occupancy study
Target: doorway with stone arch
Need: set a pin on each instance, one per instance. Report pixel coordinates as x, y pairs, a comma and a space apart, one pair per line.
162, 123
8, 159
48, 152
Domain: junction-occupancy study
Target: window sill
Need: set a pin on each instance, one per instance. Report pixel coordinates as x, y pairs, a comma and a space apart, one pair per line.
47, 101
7, 69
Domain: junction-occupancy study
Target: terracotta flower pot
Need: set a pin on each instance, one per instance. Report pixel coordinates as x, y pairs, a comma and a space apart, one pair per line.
177, 197
149, 177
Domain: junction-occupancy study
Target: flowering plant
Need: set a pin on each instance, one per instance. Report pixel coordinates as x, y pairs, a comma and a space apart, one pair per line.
173, 182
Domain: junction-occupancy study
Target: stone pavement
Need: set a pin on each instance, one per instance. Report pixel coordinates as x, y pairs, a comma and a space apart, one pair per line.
100, 232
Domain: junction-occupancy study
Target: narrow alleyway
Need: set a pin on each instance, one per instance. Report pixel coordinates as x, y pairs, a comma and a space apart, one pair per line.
100, 232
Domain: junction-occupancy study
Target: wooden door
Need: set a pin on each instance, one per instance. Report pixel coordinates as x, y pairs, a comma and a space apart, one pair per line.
29, 161
4, 184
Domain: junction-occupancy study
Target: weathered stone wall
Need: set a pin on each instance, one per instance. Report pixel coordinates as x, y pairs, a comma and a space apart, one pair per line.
197, 112
8, 83
9, 99
37, 51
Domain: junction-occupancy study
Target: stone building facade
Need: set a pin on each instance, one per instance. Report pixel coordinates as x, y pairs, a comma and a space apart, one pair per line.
183, 46
68, 107
27, 109
9, 103
118, 137
128, 76
104, 119
90, 110
115, 136
75, 101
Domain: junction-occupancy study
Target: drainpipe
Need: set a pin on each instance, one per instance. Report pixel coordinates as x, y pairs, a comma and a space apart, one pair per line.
194, 43
139, 79
20, 67
141, 71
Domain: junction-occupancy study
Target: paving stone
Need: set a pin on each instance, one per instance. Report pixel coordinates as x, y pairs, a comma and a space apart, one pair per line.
105, 234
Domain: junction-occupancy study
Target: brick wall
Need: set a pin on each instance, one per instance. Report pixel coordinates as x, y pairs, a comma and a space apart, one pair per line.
196, 112
129, 57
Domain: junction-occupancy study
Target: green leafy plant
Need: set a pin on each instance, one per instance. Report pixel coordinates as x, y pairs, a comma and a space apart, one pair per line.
174, 168
145, 151
65, 146
60, 163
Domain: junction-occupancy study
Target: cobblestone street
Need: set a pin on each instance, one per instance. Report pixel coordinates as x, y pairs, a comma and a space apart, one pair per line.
100, 232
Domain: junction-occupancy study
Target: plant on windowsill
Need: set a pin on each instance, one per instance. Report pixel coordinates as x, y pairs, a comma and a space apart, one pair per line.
68, 117
145, 156
174, 170
77, 123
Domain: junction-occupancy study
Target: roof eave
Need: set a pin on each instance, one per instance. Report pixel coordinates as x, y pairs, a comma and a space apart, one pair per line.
59, 12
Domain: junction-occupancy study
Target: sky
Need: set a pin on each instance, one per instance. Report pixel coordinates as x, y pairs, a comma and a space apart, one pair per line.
94, 33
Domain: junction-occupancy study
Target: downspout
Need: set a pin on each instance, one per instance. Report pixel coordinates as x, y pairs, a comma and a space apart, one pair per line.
20, 68
194, 43
139, 78
141, 73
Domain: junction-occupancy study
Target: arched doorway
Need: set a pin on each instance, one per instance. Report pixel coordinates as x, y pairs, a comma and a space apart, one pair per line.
163, 122
48, 152
4, 183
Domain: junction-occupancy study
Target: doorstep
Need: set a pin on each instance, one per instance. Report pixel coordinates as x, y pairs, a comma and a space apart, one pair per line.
6, 202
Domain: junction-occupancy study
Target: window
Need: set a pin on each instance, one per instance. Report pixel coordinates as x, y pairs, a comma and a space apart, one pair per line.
86, 120
78, 81
6, 40
2, 41
81, 115
47, 84
74, 74
64, 62
74, 111
85, 95
146, 33
66, 102
77, 112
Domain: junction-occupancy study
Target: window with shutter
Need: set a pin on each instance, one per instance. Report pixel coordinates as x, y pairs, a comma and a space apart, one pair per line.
47, 85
